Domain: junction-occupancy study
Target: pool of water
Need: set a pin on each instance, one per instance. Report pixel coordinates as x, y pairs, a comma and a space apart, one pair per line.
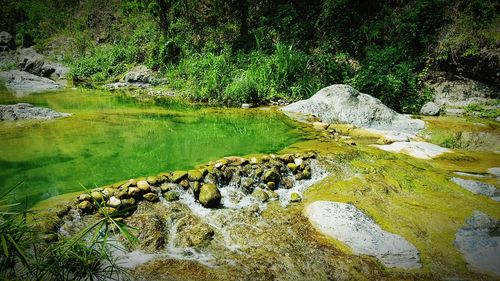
110, 138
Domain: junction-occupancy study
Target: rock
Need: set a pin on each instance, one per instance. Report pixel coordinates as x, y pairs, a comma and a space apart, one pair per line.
299, 176
236, 161
478, 187
128, 201
298, 161
97, 196
287, 158
271, 175
84, 197
140, 74
287, 183
320, 125
195, 175
171, 196
108, 192
178, 176
422, 150
134, 191
479, 243
344, 104
497, 119
393, 137
151, 197
454, 111
22, 83
453, 91
184, 184
121, 194
143, 185
246, 105
195, 186
6, 41
494, 171
21, 111
168, 187
152, 180
292, 166
307, 174
347, 224
260, 195
209, 195
114, 202
85, 206
430, 109
35, 63
295, 197
120, 85
106, 211
271, 185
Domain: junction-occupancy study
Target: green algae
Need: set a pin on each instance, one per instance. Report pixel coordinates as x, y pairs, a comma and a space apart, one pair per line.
110, 138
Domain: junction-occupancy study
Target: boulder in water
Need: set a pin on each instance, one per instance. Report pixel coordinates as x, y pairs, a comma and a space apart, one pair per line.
209, 195
344, 104
28, 111
22, 83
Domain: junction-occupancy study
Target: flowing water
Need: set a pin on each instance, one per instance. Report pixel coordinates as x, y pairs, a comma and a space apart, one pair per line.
110, 138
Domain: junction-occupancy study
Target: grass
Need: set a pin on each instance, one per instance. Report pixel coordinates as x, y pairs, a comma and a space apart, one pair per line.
30, 250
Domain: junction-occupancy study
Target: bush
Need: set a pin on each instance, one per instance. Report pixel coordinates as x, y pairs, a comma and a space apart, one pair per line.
388, 76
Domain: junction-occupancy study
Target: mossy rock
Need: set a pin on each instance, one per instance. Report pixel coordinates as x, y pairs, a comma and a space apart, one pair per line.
307, 174
184, 184
260, 195
271, 175
295, 197
143, 185
168, 187
97, 196
84, 197
271, 185
287, 183
108, 192
152, 180
171, 196
209, 195
292, 166
178, 176
106, 211
86, 206
195, 186
134, 191
151, 197
128, 201
195, 175
287, 158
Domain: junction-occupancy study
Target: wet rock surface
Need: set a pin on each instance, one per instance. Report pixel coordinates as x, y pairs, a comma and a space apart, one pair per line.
422, 150
479, 243
479, 188
344, 104
346, 223
21, 111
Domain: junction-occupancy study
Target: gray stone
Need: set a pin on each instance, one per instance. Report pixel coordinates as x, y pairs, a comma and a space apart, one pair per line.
458, 92
6, 41
139, 74
479, 243
430, 109
246, 105
422, 150
349, 225
477, 187
28, 111
344, 104
22, 83
497, 119
494, 171
35, 63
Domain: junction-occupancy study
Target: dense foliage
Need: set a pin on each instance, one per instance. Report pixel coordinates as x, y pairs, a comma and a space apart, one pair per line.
261, 50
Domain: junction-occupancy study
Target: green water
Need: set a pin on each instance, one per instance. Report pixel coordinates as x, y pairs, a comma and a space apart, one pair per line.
110, 138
